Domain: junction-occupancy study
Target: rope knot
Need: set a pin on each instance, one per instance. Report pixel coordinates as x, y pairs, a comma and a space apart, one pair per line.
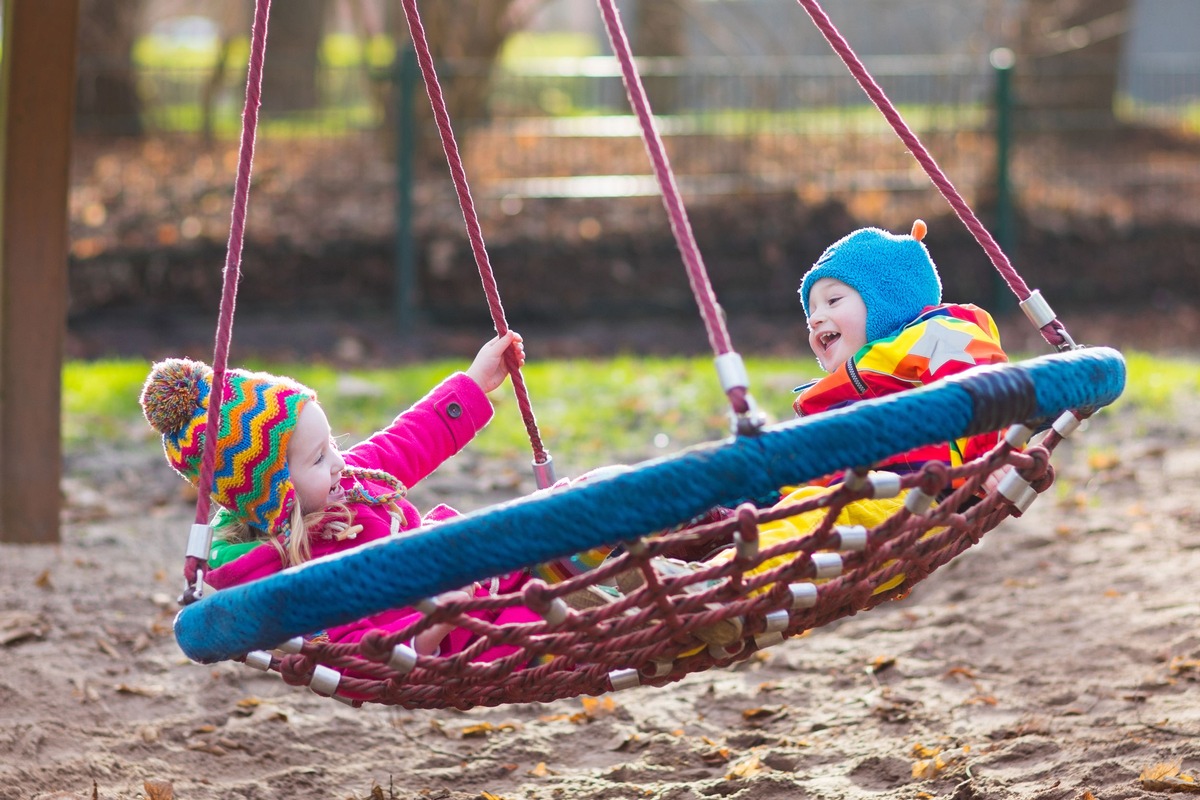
297, 669
934, 477
376, 645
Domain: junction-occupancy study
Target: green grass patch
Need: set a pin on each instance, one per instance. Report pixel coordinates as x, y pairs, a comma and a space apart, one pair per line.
589, 412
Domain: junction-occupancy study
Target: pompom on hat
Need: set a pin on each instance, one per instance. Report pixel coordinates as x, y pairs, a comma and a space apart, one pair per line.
259, 411
894, 275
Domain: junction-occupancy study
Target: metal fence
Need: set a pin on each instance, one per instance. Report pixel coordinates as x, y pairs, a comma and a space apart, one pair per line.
562, 128
762, 150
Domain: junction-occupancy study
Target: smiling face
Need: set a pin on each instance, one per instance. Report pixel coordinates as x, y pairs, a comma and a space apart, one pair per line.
837, 322
314, 461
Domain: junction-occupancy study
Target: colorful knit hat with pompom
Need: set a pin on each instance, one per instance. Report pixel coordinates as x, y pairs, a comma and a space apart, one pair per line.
894, 275
259, 411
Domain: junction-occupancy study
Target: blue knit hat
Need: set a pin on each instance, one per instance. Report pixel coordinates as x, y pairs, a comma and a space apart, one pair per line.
894, 274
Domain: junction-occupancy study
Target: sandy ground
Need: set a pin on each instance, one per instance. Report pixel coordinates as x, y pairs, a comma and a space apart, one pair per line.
1060, 658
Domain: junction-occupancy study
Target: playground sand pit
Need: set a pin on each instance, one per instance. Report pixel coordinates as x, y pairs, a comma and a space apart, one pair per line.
1059, 658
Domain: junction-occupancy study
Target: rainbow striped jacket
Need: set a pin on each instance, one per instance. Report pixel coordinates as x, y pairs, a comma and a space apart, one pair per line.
944, 340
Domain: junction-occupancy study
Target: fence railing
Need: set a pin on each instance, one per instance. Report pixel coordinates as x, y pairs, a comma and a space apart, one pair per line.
559, 127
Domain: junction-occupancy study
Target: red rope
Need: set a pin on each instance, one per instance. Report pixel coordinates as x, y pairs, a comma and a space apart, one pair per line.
1052, 332
474, 231
681, 227
233, 258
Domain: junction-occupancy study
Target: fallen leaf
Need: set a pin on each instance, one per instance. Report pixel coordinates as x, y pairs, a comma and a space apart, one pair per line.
718, 756
927, 768
959, 672
1167, 777
597, 706
43, 580
880, 663
541, 771
764, 711
17, 626
158, 790
746, 768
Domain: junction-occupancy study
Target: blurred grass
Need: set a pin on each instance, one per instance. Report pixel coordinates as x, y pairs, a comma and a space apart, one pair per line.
589, 412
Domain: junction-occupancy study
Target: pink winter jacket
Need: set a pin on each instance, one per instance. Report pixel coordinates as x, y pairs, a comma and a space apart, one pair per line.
414, 445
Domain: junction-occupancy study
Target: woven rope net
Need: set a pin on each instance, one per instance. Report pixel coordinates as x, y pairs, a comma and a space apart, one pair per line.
653, 634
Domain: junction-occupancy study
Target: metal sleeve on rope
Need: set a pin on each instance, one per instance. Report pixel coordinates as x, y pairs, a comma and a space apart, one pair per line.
259, 660
918, 502
828, 565
1037, 309
293, 645
884, 484
853, 537
1017, 436
199, 543
804, 595
1017, 491
765, 640
543, 472
731, 370
624, 679
775, 621
325, 681
403, 659
1066, 424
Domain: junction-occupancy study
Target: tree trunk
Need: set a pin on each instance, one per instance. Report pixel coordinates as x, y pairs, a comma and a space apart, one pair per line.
106, 96
1068, 60
659, 32
290, 71
472, 33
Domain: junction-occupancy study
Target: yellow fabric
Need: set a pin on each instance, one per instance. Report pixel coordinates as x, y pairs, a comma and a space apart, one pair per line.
868, 513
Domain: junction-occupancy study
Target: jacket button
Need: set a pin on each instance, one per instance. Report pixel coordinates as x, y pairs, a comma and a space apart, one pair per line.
454, 411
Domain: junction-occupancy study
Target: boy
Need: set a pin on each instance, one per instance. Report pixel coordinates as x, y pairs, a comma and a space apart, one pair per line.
877, 326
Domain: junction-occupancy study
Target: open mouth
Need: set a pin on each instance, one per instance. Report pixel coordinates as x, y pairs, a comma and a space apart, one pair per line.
336, 493
828, 339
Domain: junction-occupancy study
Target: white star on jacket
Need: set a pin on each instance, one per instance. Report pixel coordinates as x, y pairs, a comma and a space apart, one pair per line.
941, 344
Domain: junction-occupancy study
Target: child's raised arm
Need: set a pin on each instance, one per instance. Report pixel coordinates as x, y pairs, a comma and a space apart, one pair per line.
488, 369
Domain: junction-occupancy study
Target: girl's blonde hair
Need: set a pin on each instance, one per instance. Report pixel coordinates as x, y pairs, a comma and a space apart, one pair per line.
297, 548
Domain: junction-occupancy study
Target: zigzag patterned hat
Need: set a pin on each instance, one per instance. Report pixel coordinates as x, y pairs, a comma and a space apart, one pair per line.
258, 414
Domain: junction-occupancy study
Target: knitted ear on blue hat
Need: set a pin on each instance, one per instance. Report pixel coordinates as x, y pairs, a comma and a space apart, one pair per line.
894, 275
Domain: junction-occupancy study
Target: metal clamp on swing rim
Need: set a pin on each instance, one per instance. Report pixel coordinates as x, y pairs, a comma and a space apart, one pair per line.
543, 473
1041, 314
731, 372
199, 542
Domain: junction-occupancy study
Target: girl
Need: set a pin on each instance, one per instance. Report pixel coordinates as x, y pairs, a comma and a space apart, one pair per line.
286, 494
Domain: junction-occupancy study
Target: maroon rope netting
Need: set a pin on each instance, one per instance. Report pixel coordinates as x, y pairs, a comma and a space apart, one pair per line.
1053, 331
229, 280
652, 630
474, 231
681, 226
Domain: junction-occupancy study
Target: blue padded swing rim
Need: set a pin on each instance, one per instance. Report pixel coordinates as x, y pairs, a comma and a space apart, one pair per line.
651, 496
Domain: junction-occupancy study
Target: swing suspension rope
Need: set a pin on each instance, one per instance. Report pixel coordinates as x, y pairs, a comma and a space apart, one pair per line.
1035, 307
649, 635
200, 539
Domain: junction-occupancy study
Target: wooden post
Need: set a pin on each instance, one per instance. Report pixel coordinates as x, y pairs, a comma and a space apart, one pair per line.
36, 101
